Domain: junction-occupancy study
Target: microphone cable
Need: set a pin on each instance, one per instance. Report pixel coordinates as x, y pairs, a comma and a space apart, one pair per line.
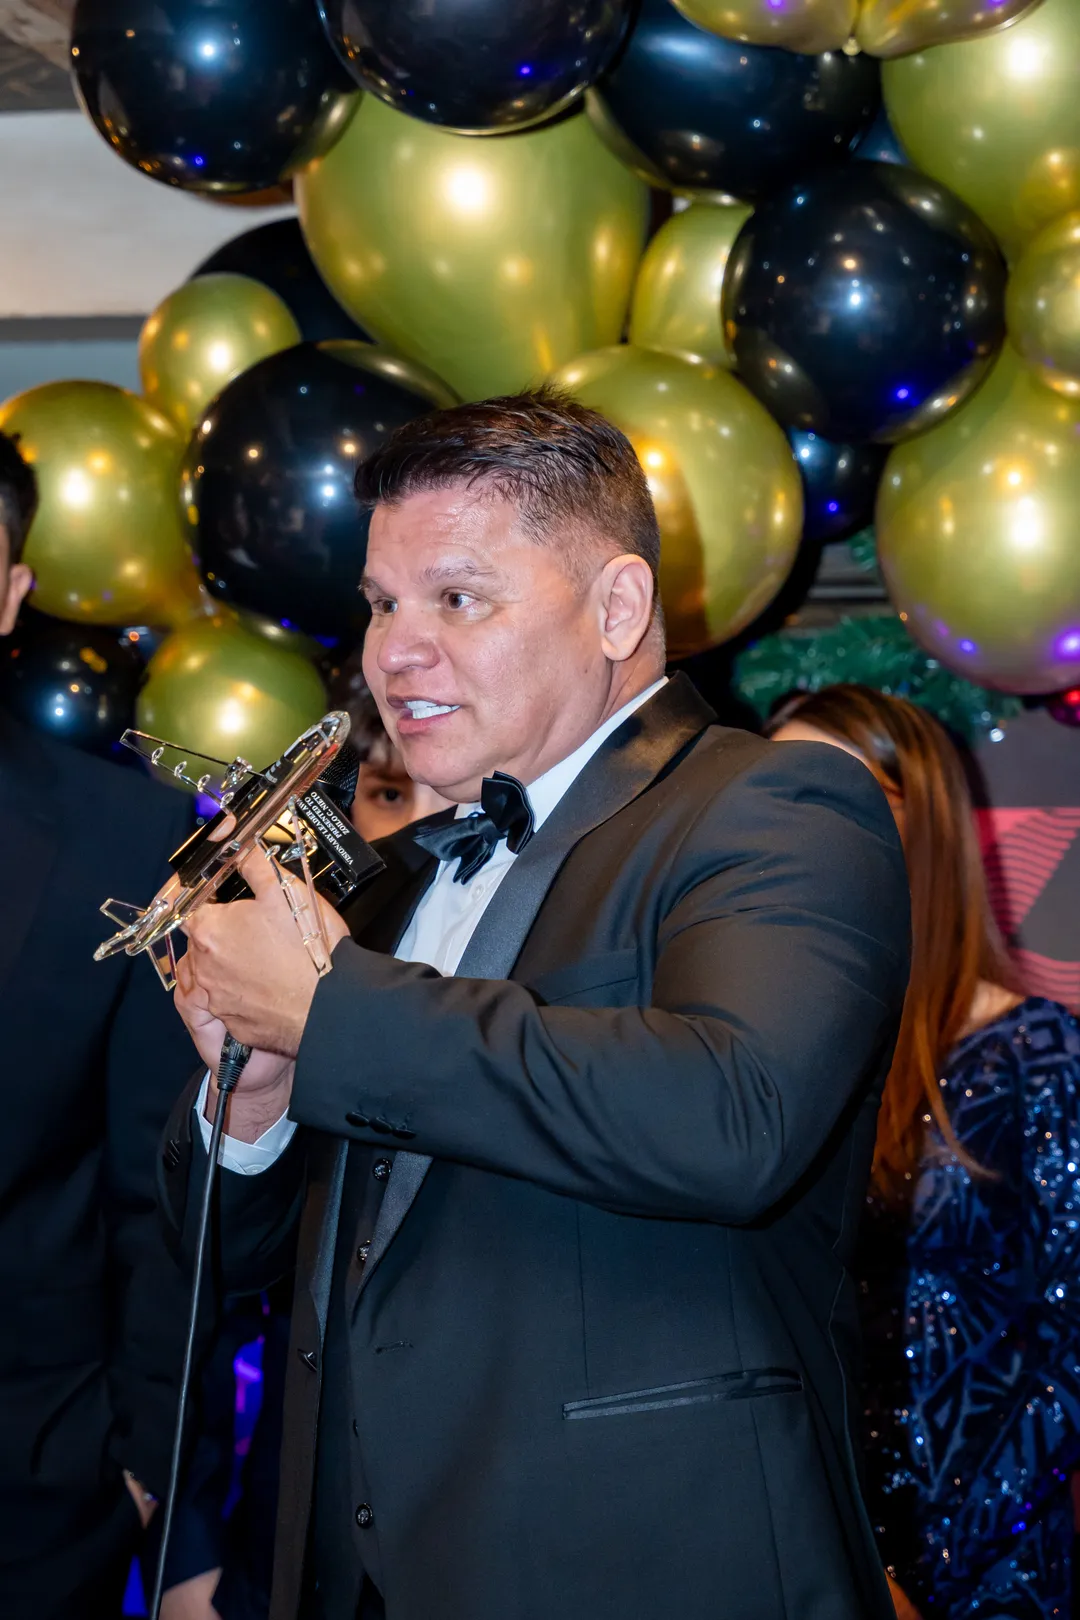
231, 1066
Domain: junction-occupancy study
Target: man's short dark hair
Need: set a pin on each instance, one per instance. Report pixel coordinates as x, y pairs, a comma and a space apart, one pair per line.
570, 472
18, 495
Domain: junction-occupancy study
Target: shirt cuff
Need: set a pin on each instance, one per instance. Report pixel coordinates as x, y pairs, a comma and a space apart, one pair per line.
245, 1158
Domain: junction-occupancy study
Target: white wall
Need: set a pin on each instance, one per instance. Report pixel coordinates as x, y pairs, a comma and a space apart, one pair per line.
81, 233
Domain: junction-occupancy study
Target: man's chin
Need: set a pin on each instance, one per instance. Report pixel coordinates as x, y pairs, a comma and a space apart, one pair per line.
449, 772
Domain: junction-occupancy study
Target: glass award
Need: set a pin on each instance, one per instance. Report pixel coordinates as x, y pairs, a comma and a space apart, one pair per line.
292, 813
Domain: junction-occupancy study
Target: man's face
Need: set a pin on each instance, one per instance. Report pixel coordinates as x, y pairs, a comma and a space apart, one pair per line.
483, 653
15, 580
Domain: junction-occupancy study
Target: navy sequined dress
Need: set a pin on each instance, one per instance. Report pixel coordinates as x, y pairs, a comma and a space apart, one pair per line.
972, 1336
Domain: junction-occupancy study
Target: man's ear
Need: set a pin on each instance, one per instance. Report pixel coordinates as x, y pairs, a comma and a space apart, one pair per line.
626, 606
19, 580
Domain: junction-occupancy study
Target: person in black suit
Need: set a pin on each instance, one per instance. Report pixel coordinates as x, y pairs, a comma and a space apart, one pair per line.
92, 1318
569, 1148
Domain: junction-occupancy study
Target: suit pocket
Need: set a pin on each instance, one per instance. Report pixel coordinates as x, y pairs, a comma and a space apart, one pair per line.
590, 973
737, 1386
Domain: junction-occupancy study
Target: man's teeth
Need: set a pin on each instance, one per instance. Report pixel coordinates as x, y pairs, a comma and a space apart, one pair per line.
420, 709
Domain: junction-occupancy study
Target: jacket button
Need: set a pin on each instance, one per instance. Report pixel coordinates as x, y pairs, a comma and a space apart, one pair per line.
362, 1253
359, 1120
381, 1169
171, 1155
364, 1516
309, 1358
405, 1135
380, 1125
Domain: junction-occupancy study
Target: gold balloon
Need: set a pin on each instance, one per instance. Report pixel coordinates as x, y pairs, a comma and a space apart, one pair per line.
726, 488
205, 334
490, 261
219, 687
976, 529
1043, 305
897, 27
810, 26
997, 119
106, 545
676, 303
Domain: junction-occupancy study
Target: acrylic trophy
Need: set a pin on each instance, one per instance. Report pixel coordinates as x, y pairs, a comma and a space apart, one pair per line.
291, 812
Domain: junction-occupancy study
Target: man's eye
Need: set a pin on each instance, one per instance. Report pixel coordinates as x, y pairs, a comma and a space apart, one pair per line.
382, 604
455, 600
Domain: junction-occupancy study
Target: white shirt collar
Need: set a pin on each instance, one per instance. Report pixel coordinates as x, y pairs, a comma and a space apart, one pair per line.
547, 790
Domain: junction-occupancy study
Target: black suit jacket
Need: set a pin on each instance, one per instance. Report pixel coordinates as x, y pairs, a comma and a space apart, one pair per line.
606, 1324
93, 1057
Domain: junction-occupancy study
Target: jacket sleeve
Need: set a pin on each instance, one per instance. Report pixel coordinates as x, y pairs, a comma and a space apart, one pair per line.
256, 1218
781, 965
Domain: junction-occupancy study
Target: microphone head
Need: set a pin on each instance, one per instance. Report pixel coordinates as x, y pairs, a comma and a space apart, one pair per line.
340, 777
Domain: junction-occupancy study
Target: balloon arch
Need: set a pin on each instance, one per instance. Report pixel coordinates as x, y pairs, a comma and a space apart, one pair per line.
821, 261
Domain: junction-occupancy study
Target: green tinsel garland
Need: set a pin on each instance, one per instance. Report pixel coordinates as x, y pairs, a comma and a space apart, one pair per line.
875, 651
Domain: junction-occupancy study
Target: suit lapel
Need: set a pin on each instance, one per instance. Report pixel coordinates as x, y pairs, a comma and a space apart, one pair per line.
627, 763
28, 829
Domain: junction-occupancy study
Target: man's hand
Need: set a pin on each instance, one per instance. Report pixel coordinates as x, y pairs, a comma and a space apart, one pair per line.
266, 1082
252, 966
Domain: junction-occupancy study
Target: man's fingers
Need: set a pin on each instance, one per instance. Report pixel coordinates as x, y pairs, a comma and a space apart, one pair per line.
258, 874
225, 830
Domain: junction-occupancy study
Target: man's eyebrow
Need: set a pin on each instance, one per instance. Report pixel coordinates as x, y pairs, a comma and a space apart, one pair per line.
455, 568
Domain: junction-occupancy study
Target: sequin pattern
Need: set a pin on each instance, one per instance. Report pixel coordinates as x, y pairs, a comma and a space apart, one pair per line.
972, 1335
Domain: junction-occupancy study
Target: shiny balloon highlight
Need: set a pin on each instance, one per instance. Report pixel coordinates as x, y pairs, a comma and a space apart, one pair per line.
76, 683
976, 532
205, 334
677, 295
221, 689
722, 477
1042, 306
477, 66
695, 113
509, 256
997, 119
864, 303
268, 485
107, 544
800, 25
209, 98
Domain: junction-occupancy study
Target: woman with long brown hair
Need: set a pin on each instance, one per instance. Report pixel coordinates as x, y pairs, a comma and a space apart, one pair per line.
970, 1254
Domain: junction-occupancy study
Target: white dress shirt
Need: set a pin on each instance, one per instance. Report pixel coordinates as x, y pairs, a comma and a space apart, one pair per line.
442, 924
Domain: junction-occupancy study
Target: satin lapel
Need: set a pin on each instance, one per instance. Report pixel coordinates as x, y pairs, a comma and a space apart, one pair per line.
29, 833
631, 759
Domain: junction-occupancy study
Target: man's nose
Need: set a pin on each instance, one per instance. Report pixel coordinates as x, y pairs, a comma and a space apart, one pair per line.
405, 643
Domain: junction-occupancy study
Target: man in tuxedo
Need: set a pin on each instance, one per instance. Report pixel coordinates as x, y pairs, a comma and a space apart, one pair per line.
569, 1147
92, 1318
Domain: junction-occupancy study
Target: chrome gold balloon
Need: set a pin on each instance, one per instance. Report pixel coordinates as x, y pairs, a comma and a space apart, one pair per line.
493, 261
809, 26
205, 334
106, 545
219, 687
897, 27
997, 119
726, 488
976, 529
676, 303
1043, 305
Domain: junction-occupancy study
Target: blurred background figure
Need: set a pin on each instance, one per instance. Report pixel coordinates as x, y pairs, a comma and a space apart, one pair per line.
222, 1551
93, 1055
970, 1253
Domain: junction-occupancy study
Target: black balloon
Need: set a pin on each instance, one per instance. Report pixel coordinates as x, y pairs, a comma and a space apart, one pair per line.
695, 112
864, 303
268, 481
839, 484
478, 66
208, 95
879, 144
277, 255
75, 681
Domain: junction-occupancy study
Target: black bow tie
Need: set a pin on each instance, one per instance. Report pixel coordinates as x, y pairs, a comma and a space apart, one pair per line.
472, 840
